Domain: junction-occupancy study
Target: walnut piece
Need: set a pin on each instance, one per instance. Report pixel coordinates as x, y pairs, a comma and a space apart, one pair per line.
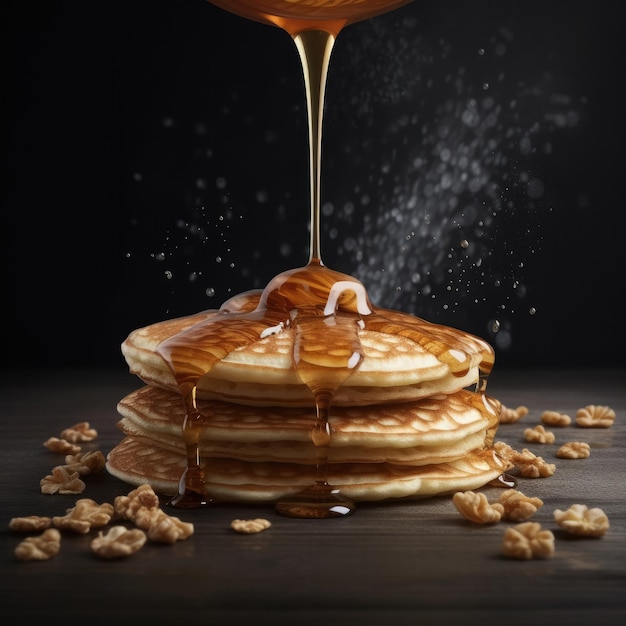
539, 434
509, 416
574, 450
54, 444
30, 523
532, 466
250, 526
505, 452
61, 481
475, 507
528, 541
554, 418
84, 516
142, 507
40, 548
85, 463
164, 528
79, 433
582, 521
595, 416
136, 502
515, 506
118, 542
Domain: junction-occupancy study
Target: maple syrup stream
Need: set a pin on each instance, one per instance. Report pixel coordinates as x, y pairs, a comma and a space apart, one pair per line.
324, 309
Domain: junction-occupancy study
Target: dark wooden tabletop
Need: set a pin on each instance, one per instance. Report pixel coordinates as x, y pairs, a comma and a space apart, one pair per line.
404, 562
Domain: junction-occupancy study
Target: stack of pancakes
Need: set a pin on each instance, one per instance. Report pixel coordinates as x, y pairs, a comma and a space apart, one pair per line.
406, 423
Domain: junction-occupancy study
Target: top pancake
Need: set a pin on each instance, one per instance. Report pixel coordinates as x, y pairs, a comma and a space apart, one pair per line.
404, 359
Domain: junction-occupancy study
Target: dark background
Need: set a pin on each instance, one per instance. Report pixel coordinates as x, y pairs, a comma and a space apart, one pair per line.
156, 163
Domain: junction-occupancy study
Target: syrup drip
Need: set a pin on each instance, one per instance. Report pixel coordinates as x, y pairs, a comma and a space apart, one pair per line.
506, 481
326, 352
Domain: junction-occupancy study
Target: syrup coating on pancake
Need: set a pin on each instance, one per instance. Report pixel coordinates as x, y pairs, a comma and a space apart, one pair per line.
326, 309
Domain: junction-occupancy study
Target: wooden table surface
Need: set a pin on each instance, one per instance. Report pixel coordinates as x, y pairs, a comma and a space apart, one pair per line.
410, 562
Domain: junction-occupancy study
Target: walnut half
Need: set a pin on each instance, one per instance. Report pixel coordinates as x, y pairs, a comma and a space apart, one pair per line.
40, 548
30, 523
118, 542
54, 444
582, 521
137, 503
79, 433
142, 507
528, 541
250, 526
84, 516
532, 466
164, 528
574, 450
85, 462
61, 481
517, 507
554, 418
509, 416
595, 416
475, 507
539, 434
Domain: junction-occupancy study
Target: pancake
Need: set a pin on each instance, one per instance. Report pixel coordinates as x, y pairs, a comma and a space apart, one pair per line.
437, 429
136, 461
394, 368
436, 420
